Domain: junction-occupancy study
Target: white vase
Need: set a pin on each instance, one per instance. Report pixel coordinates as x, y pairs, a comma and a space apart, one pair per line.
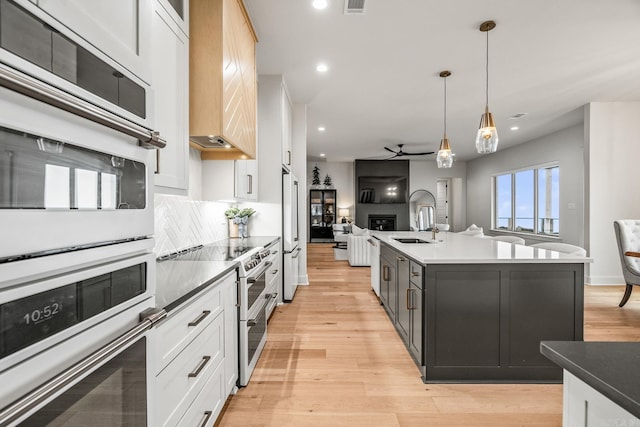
233, 229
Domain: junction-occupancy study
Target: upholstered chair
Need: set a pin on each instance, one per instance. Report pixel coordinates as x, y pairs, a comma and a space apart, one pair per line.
510, 239
628, 237
565, 248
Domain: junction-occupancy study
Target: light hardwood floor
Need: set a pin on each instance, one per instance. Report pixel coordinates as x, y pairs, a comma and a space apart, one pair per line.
333, 358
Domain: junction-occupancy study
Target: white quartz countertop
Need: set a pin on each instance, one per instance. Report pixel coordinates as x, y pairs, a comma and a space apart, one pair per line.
455, 248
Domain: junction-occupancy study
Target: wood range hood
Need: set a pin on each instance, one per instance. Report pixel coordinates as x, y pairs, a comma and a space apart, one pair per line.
222, 80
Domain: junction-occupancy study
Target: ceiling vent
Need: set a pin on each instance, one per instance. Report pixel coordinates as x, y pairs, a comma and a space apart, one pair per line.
353, 7
517, 116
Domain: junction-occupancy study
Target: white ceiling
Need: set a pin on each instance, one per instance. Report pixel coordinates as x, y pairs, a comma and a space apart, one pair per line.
547, 58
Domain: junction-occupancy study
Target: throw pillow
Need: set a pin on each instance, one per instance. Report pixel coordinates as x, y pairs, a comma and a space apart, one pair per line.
357, 231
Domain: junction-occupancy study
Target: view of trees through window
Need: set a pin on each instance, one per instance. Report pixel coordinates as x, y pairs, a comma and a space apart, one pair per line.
528, 201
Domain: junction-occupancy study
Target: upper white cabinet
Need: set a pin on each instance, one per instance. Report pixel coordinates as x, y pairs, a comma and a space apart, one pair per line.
170, 47
179, 11
119, 28
246, 179
287, 126
275, 120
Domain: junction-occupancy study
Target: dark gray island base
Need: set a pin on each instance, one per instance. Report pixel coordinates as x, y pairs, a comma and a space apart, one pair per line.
482, 322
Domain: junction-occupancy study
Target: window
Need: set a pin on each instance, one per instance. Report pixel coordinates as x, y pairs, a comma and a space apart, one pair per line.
528, 201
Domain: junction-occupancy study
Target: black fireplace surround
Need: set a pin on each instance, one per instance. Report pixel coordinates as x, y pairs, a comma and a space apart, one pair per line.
375, 208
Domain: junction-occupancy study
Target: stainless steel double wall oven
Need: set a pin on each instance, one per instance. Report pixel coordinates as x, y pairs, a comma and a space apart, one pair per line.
76, 240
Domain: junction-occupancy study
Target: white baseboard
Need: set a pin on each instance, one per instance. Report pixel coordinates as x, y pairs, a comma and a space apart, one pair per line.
303, 280
605, 280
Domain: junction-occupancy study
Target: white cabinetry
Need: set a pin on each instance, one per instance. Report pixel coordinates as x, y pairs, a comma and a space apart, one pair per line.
274, 278
170, 60
119, 28
584, 406
195, 358
287, 126
246, 179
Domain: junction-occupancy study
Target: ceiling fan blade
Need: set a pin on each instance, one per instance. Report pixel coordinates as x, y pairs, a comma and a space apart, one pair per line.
389, 149
418, 154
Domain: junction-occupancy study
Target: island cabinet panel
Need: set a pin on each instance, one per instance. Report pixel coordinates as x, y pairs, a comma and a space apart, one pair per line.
416, 319
484, 322
539, 295
388, 283
403, 315
464, 314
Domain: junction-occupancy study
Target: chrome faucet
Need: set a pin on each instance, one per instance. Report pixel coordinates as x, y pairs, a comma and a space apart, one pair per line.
434, 230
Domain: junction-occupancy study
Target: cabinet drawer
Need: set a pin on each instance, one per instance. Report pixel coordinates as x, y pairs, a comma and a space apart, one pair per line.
415, 274
183, 326
208, 405
181, 381
273, 271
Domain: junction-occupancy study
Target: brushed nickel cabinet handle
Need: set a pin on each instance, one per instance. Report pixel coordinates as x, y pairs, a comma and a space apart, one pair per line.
408, 298
414, 273
207, 415
250, 177
200, 318
401, 259
200, 367
385, 273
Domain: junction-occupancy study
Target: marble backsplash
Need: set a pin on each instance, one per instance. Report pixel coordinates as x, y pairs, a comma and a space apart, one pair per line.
181, 223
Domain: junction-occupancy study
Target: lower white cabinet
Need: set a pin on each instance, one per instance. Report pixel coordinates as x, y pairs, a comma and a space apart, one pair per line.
585, 407
274, 279
194, 359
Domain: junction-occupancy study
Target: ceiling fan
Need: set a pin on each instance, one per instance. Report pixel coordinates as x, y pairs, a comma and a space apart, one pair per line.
401, 153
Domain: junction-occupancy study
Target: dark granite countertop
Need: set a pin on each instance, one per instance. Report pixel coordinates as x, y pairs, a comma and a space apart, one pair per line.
182, 277
611, 368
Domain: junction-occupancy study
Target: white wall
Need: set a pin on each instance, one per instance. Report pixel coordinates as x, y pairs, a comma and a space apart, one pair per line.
424, 174
612, 154
564, 147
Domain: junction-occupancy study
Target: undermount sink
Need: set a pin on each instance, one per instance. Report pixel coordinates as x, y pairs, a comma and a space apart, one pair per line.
409, 240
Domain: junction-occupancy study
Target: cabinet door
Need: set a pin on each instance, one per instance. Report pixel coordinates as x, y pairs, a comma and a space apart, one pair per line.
246, 179
171, 84
404, 297
388, 286
229, 299
287, 128
415, 322
119, 28
239, 85
179, 12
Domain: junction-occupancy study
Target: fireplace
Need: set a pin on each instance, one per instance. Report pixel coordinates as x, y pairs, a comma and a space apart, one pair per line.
382, 222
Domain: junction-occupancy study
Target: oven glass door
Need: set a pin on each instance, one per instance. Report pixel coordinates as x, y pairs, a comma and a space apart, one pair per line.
256, 334
255, 289
113, 395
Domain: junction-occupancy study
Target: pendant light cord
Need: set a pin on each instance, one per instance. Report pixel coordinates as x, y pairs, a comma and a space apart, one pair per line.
445, 107
487, 73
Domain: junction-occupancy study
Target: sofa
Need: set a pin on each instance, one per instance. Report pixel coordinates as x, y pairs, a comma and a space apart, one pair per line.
358, 247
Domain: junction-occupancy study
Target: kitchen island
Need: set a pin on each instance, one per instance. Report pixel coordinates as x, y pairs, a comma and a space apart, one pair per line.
474, 309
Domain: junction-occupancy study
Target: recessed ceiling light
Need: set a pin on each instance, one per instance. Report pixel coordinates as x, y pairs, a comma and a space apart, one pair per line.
514, 127
322, 68
321, 129
320, 4
321, 154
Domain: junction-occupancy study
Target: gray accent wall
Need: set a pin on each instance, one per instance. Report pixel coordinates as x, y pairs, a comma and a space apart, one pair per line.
566, 147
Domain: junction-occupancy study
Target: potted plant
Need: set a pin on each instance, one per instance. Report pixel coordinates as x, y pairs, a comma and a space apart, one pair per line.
238, 219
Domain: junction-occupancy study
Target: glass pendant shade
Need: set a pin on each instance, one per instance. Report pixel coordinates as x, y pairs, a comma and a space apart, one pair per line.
444, 159
487, 137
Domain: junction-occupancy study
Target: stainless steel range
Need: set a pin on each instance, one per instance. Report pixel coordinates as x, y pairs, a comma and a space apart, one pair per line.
252, 295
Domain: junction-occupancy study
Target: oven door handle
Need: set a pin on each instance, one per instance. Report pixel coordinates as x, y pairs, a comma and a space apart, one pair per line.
58, 383
33, 88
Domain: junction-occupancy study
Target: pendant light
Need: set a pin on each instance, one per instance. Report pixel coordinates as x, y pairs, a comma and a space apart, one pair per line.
487, 137
444, 159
